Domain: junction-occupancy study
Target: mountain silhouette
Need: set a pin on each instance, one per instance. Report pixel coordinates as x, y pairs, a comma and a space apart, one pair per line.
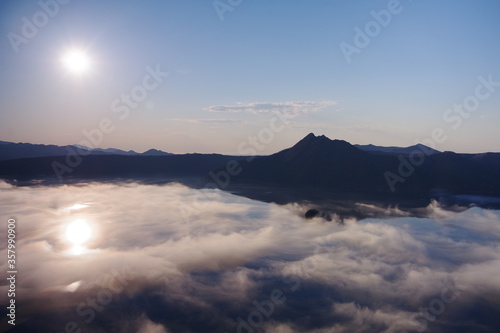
11, 151
315, 162
397, 150
318, 162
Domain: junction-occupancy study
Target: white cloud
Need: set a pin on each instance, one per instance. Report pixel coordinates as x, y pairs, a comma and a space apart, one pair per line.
204, 273
289, 109
214, 122
147, 326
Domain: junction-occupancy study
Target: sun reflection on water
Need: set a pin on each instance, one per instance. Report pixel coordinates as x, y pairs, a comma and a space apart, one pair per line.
77, 234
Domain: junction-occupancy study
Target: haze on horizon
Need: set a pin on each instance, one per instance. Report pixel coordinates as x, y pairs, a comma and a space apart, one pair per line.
209, 78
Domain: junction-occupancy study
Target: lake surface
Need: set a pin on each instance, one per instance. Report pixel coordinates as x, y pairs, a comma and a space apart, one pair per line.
167, 258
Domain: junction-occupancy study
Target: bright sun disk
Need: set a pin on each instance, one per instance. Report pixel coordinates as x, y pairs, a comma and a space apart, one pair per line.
76, 61
78, 232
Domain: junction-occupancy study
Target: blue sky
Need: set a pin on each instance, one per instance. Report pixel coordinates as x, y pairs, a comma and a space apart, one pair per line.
263, 56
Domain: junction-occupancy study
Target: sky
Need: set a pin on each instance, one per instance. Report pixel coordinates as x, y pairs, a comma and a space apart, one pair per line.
204, 76
189, 261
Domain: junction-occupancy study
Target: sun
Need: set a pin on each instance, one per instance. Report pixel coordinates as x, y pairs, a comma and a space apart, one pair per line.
78, 232
76, 61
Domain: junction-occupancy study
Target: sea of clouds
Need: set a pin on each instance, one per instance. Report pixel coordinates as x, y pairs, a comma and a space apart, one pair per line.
238, 265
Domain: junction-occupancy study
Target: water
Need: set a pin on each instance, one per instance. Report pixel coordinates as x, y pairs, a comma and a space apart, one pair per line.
148, 258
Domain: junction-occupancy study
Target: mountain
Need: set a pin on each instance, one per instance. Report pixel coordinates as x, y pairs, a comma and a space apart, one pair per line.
11, 151
334, 165
315, 163
397, 150
111, 151
155, 152
97, 167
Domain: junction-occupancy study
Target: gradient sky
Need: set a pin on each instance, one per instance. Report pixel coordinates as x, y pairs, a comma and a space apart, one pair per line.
262, 56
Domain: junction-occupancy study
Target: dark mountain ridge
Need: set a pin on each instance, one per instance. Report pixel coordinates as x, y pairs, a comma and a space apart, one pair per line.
315, 162
318, 162
12, 151
397, 150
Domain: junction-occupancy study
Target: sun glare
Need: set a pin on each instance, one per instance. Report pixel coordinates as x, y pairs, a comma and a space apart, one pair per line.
78, 232
76, 61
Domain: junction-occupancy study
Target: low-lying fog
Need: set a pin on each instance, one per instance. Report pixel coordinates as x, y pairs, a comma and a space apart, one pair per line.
149, 258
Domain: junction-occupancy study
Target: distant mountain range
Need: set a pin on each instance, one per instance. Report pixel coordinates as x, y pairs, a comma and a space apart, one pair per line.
397, 150
11, 151
315, 162
318, 162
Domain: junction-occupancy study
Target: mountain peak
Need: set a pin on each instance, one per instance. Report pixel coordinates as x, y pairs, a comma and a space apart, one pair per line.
155, 152
308, 138
306, 141
312, 145
312, 139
